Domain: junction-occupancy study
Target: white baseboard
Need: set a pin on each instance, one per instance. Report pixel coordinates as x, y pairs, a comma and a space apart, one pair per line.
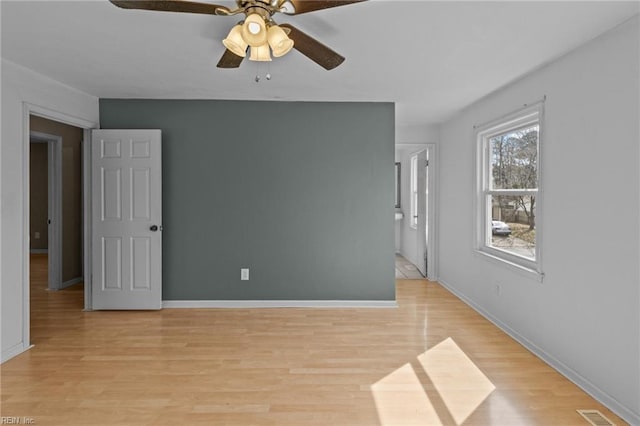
71, 282
38, 251
614, 405
245, 304
13, 351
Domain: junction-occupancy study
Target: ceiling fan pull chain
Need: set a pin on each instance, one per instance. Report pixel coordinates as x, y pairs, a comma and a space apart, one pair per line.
267, 75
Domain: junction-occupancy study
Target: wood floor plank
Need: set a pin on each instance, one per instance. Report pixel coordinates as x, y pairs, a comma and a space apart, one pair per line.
432, 361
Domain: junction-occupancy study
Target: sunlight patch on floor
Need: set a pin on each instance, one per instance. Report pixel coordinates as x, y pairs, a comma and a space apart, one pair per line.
459, 382
401, 399
440, 387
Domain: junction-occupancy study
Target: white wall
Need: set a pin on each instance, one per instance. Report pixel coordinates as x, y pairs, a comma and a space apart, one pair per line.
20, 85
421, 134
584, 318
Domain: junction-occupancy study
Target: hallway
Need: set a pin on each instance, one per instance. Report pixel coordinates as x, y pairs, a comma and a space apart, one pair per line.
406, 270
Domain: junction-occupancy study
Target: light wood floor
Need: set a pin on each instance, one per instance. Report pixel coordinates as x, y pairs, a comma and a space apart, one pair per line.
432, 361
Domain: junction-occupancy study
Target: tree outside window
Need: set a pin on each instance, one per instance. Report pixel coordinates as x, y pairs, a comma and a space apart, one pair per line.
514, 166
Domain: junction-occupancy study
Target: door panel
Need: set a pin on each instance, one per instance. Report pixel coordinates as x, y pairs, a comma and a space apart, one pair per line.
111, 195
111, 263
140, 200
127, 219
140, 263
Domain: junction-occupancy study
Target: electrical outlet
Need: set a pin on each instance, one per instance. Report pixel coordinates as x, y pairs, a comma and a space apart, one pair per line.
244, 274
36, 235
498, 289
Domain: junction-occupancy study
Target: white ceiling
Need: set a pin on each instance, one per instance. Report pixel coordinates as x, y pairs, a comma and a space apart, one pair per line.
431, 58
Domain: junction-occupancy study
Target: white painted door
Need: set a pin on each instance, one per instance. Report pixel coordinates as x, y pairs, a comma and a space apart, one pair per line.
127, 219
422, 213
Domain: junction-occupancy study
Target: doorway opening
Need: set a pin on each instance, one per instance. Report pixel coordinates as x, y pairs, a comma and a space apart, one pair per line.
54, 217
45, 201
415, 217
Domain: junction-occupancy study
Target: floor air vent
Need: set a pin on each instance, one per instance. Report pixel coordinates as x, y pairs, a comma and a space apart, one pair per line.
595, 417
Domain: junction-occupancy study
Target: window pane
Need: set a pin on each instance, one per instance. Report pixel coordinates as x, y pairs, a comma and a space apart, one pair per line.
513, 224
514, 159
414, 191
398, 191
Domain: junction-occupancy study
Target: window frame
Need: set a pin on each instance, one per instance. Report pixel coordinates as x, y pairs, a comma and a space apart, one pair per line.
527, 116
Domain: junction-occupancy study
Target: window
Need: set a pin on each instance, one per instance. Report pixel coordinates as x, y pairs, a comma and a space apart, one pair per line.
398, 192
414, 191
508, 183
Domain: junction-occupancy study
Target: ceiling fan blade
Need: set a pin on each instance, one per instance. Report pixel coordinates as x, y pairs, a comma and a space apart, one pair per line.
313, 49
229, 60
305, 6
172, 6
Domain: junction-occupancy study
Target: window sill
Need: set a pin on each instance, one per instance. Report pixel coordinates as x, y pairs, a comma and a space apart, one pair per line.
519, 269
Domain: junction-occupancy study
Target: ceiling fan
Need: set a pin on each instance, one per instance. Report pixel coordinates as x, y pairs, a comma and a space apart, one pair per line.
257, 33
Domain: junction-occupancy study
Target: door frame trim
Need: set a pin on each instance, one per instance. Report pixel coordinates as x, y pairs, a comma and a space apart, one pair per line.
54, 205
29, 109
87, 220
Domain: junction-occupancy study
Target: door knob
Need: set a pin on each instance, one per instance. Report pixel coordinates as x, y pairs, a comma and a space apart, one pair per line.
154, 228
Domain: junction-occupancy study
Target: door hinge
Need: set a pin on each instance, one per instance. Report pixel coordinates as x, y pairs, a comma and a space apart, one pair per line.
426, 163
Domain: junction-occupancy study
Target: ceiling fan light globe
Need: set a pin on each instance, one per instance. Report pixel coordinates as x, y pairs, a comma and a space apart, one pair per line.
237, 50
235, 43
260, 53
283, 48
280, 43
254, 30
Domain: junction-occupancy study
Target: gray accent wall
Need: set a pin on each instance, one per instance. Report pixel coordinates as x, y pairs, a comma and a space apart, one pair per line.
299, 192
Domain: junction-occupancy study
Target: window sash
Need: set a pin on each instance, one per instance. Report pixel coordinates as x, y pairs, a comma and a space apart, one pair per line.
533, 122
488, 231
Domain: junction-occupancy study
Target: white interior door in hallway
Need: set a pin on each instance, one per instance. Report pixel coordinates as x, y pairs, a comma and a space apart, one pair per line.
421, 226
